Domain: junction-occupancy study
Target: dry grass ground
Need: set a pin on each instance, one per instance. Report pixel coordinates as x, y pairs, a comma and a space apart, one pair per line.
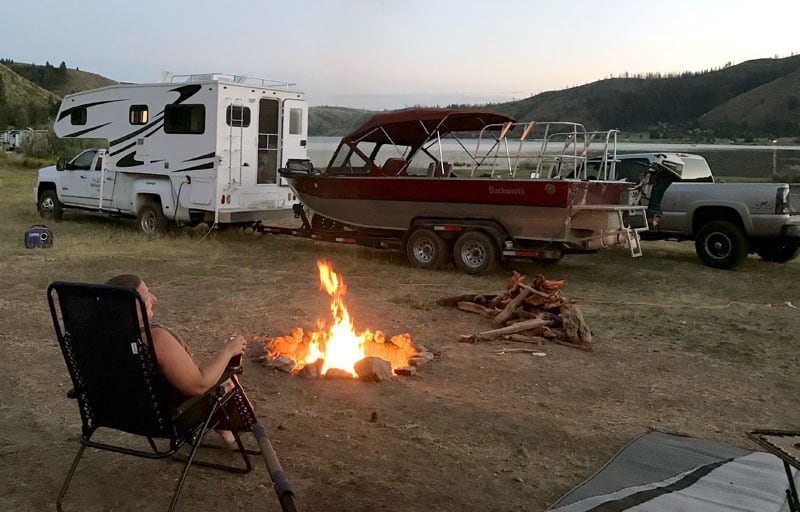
680, 347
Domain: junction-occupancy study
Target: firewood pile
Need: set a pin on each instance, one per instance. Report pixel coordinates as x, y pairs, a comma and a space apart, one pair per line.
534, 312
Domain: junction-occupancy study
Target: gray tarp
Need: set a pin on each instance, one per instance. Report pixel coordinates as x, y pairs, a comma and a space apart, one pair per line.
669, 473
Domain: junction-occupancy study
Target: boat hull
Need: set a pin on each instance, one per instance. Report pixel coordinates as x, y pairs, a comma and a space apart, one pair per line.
545, 210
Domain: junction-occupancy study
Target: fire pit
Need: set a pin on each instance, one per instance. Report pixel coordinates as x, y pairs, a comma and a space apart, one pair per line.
335, 350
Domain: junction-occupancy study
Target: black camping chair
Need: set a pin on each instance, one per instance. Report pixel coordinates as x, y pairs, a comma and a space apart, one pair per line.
118, 386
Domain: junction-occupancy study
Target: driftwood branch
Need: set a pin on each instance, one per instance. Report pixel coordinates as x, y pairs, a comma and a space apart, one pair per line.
511, 307
521, 338
520, 351
472, 307
517, 327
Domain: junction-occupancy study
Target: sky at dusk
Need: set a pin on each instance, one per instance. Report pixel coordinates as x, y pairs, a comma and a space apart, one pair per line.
391, 54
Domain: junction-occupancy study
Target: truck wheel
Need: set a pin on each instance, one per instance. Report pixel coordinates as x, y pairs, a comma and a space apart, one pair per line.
720, 244
151, 219
475, 253
778, 253
425, 249
49, 206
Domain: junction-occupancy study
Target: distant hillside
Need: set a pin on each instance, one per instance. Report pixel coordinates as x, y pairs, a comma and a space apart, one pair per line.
639, 103
59, 80
775, 104
23, 104
335, 121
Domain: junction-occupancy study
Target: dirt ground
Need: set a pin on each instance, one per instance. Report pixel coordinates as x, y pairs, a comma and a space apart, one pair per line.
679, 347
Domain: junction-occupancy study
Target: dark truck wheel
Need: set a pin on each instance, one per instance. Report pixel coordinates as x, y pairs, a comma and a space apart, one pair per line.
778, 253
49, 206
475, 253
426, 249
151, 219
720, 244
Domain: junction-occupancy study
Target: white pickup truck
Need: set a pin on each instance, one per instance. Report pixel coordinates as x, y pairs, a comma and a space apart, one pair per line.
726, 220
81, 182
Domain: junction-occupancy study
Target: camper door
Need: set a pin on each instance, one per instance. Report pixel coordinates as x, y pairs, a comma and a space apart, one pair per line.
295, 131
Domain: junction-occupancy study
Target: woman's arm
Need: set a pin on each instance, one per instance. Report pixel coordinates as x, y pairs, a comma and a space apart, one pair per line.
182, 372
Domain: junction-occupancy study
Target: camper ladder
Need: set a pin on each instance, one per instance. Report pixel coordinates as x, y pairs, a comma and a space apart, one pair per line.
235, 111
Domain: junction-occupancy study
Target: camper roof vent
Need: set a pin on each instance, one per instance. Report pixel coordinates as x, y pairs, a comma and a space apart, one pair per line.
226, 77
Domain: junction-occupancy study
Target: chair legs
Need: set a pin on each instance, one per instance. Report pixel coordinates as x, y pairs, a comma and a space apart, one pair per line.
67, 481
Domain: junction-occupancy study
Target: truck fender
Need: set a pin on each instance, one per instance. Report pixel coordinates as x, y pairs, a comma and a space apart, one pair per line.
154, 189
702, 212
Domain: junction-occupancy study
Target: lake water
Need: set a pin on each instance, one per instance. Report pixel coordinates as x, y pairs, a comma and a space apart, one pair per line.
725, 159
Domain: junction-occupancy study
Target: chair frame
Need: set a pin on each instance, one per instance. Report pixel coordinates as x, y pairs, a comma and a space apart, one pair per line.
168, 416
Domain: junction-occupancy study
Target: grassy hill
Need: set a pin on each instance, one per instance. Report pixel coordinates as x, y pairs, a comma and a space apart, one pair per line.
775, 104
335, 121
753, 93
23, 103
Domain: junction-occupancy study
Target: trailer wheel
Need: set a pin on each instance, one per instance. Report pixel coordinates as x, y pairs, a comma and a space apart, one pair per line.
151, 219
50, 207
475, 253
720, 244
425, 249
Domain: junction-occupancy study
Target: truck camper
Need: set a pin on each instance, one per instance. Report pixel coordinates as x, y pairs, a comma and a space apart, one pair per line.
191, 149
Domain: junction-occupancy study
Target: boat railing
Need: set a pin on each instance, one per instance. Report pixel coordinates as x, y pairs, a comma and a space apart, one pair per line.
543, 150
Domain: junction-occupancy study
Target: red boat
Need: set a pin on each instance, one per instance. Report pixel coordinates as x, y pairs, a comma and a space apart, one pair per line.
472, 183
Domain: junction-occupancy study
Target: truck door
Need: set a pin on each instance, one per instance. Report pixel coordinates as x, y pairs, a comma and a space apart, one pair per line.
76, 183
295, 131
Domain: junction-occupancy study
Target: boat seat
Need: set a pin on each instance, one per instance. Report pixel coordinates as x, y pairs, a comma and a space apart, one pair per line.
395, 167
439, 169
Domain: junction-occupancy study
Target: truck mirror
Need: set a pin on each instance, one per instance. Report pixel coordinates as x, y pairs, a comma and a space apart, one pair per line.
61, 163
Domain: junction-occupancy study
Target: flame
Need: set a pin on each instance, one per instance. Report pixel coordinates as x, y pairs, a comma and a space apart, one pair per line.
339, 346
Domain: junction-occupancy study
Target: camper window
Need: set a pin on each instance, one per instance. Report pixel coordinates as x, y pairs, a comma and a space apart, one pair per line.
237, 115
296, 121
189, 119
78, 115
138, 114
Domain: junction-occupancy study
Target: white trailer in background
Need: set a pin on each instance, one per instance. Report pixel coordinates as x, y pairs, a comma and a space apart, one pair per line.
196, 148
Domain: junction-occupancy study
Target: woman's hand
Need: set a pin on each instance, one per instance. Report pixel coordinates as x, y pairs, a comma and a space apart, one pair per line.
235, 345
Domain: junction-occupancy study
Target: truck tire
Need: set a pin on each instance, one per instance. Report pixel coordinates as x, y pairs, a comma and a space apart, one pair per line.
425, 249
50, 207
721, 244
151, 219
778, 253
475, 253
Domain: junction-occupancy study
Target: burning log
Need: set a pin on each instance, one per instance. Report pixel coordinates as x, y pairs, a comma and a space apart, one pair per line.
529, 313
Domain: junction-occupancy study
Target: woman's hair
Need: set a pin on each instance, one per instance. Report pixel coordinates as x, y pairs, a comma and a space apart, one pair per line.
129, 280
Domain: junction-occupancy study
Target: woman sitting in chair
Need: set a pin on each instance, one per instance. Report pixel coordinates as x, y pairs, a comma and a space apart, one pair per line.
174, 359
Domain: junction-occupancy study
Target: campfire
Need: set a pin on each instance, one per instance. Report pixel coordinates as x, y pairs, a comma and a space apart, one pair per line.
335, 349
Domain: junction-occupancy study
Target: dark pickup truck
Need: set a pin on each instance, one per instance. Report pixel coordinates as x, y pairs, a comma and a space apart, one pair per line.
726, 220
